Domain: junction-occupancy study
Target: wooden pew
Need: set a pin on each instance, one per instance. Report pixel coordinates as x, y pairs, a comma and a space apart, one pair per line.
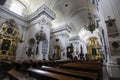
84, 67
81, 67
45, 75
5, 67
15, 75
93, 62
17, 65
78, 74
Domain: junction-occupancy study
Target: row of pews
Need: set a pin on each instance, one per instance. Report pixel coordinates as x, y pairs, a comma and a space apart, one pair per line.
56, 70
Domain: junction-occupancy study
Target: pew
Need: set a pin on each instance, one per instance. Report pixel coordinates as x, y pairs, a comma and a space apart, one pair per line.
84, 67
45, 75
35, 64
15, 75
5, 67
17, 65
78, 74
93, 62
81, 67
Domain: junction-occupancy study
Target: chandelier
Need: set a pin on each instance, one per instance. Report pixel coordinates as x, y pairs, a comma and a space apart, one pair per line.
93, 24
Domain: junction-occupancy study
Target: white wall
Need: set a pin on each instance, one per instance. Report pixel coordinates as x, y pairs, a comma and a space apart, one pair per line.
111, 8
36, 28
39, 20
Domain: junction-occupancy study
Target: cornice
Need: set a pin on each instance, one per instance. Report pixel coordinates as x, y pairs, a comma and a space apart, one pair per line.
64, 27
43, 10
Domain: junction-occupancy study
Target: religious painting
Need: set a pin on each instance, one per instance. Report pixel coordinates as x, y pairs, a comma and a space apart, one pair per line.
58, 52
5, 44
115, 48
111, 27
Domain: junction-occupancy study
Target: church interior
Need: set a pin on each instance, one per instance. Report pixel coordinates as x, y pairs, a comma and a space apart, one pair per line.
59, 40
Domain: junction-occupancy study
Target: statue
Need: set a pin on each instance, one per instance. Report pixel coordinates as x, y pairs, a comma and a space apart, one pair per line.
70, 51
29, 52
57, 52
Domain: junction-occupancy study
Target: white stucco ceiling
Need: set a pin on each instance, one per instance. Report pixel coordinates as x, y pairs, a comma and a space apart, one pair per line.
75, 14
71, 12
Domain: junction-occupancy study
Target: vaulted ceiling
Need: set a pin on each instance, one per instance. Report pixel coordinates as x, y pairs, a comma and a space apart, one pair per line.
71, 12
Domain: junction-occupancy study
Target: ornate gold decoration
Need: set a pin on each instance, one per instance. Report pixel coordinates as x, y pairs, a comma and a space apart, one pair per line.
9, 37
57, 52
93, 48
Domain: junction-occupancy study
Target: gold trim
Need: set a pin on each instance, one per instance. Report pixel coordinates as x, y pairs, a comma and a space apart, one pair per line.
93, 43
13, 37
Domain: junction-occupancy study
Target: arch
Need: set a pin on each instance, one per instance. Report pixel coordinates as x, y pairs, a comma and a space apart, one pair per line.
19, 7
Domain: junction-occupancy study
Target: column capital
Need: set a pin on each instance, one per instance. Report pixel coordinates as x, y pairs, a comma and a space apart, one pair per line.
43, 10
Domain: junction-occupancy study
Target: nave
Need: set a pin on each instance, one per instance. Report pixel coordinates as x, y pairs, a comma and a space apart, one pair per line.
59, 39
